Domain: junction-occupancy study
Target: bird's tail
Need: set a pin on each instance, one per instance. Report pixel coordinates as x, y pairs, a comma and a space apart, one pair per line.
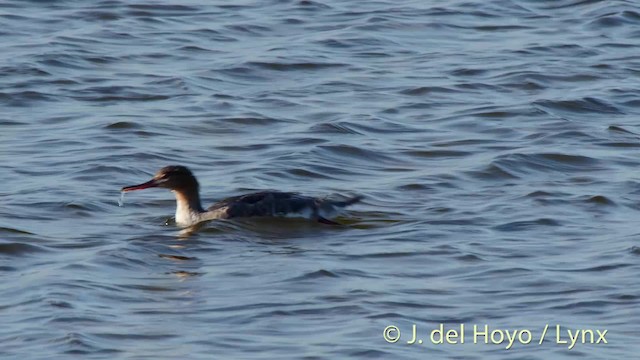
348, 202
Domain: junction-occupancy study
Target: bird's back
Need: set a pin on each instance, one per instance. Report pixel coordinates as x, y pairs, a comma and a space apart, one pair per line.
268, 203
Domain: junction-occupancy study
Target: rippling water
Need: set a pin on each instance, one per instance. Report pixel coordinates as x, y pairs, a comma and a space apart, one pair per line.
496, 143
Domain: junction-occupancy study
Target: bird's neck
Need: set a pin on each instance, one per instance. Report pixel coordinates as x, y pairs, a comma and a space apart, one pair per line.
188, 207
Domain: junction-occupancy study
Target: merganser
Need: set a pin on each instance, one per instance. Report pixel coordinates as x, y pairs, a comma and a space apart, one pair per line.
189, 211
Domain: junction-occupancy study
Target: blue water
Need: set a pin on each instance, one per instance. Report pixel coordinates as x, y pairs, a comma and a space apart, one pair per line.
496, 144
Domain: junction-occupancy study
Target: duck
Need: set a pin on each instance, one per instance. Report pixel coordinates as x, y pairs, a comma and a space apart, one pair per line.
189, 211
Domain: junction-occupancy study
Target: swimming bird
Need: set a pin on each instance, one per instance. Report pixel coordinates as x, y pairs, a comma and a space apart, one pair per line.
189, 211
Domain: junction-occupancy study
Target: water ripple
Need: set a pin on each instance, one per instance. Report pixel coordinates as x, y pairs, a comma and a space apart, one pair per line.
496, 144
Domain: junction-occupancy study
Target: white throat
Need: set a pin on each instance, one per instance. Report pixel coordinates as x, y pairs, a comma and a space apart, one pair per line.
188, 211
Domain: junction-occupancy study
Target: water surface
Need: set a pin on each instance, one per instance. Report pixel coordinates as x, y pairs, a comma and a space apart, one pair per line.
496, 144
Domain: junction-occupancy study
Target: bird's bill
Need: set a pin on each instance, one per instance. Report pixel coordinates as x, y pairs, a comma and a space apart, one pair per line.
149, 184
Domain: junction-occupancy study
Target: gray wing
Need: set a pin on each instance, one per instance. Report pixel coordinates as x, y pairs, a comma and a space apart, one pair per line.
266, 203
